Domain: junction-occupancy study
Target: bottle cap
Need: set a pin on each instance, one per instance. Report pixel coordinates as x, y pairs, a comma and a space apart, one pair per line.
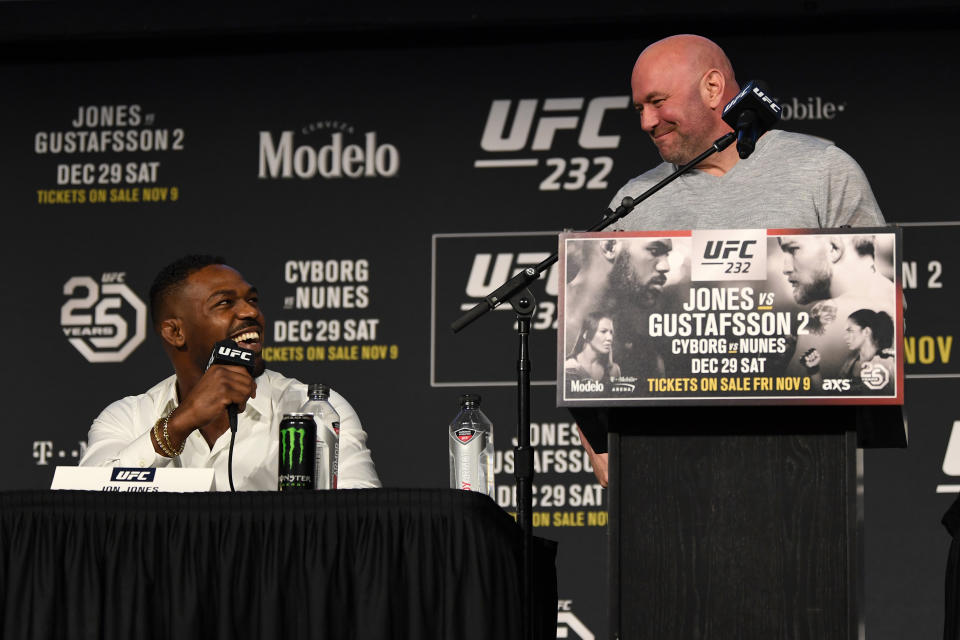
469, 398
318, 389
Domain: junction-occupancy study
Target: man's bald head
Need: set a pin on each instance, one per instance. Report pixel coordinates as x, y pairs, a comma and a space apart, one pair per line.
693, 54
680, 86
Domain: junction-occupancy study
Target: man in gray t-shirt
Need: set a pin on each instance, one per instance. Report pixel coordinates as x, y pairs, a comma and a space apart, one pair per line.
680, 86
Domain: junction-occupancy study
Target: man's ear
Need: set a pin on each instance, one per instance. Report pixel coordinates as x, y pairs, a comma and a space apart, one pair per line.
835, 249
712, 86
171, 330
609, 248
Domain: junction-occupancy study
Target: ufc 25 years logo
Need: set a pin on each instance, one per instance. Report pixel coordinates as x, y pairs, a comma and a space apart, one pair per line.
529, 127
105, 321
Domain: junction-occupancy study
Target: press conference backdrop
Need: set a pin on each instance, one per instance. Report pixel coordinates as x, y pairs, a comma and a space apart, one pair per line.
374, 194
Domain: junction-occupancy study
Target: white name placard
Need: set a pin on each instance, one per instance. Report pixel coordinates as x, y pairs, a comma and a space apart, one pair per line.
132, 479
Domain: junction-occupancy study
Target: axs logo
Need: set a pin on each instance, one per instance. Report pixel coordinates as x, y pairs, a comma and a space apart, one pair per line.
838, 384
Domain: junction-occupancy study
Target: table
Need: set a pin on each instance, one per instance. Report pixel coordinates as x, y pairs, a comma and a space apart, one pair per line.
372, 563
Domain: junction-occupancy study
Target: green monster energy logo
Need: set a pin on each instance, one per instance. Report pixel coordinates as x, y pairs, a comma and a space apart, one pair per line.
289, 434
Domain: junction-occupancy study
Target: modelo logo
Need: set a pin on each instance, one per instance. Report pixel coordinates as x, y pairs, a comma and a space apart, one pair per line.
118, 324
279, 159
123, 474
839, 384
496, 138
586, 386
726, 248
233, 354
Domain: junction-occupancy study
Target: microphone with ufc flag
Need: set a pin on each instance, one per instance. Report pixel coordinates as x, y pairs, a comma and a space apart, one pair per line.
751, 114
228, 353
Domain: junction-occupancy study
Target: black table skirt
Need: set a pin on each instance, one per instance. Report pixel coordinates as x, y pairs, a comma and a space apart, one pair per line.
371, 564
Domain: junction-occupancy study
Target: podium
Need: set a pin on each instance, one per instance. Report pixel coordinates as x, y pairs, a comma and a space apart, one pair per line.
739, 374
740, 522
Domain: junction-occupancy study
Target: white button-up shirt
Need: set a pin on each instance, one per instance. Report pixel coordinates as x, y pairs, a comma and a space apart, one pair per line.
120, 437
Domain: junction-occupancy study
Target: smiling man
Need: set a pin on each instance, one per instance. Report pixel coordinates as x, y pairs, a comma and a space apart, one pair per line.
680, 86
196, 302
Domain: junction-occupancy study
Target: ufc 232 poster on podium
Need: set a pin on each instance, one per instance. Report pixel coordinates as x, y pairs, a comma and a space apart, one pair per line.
731, 316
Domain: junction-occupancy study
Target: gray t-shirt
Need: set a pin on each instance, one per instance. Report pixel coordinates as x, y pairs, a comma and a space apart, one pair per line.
790, 181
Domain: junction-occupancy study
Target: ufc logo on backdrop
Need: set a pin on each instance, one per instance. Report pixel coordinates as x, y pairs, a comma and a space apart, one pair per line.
564, 114
569, 128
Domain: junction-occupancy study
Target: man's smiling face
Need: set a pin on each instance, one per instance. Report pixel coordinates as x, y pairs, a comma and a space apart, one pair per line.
666, 94
218, 304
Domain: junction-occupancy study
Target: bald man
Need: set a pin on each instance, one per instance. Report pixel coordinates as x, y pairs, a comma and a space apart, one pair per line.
680, 86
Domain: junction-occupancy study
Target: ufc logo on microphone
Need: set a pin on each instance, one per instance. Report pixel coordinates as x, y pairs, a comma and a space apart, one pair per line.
726, 248
766, 99
233, 354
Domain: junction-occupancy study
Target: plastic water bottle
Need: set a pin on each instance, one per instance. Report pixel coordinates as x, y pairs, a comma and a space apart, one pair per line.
471, 448
328, 434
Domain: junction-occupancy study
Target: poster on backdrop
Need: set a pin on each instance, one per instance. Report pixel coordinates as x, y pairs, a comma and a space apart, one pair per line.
731, 316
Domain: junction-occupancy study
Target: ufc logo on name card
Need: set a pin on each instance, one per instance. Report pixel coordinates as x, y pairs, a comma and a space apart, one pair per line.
124, 474
729, 255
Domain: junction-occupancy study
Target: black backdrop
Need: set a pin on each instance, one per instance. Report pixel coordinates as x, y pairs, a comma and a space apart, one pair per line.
428, 222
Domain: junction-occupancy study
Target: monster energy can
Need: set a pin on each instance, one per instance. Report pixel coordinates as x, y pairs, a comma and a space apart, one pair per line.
298, 442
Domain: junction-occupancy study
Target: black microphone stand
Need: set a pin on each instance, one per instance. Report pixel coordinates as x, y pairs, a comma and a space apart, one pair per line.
515, 291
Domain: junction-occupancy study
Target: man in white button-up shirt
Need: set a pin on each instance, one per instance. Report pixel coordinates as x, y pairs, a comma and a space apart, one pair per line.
182, 421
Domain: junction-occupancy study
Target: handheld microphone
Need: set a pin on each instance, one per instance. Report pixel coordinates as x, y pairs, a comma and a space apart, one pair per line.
751, 114
227, 352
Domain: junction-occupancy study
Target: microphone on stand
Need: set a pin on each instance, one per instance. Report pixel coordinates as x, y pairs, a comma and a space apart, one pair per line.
751, 114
